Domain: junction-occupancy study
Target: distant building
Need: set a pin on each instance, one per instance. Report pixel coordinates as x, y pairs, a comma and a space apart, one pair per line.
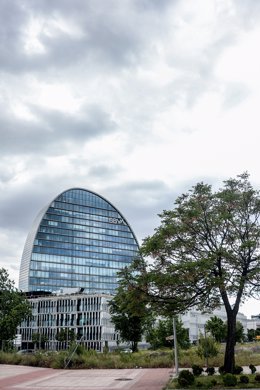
195, 321
86, 316
254, 322
78, 240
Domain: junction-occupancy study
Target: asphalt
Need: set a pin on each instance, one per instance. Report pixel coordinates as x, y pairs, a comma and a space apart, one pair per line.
35, 378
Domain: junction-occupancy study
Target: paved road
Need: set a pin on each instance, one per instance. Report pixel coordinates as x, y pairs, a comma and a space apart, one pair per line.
35, 378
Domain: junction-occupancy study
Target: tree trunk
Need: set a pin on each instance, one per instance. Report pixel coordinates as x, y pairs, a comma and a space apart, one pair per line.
229, 360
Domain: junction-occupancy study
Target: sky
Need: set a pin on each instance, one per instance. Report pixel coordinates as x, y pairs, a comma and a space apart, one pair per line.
137, 100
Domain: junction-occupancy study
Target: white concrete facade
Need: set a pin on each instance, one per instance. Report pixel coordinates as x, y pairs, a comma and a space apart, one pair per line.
195, 321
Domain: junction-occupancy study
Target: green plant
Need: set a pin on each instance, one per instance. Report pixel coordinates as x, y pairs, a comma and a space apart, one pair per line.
257, 378
252, 368
197, 370
229, 380
186, 378
244, 379
238, 370
214, 382
221, 370
210, 370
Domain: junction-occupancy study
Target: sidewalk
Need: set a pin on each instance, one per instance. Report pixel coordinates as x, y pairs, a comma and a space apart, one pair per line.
35, 378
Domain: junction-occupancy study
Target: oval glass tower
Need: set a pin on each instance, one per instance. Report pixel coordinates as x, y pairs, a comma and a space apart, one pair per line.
79, 240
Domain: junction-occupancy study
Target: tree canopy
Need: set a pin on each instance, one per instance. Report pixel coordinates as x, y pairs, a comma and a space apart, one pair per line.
206, 252
14, 308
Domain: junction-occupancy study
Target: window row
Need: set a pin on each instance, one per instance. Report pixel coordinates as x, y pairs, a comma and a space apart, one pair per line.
42, 258
70, 252
72, 269
85, 241
87, 235
113, 223
91, 287
90, 209
85, 248
85, 228
72, 277
78, 214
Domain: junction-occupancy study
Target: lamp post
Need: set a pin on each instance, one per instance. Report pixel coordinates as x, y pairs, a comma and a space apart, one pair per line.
175, 346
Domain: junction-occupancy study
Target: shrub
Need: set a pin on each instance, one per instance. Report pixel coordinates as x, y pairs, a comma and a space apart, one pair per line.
257, 378
221, 370
186, 378
213, 382
210, 370
197, 370
252, 368
229, 380
244, 379
238, 370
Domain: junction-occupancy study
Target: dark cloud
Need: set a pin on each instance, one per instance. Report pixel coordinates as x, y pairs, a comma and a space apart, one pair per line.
112, 34
53, 132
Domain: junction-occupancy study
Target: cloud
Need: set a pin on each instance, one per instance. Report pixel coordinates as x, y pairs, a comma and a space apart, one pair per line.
52, 131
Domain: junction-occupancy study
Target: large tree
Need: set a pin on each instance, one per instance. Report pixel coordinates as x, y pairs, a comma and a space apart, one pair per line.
206, 252
14, 308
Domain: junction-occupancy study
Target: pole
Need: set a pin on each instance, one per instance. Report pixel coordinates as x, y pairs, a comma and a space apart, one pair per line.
175, 347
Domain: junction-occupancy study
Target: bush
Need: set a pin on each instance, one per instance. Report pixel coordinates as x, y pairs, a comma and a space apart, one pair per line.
257, 378
197, 370
238, 370
213, 382
229, 380
221, 370
244, 379
252, 368
210, 370
186, 378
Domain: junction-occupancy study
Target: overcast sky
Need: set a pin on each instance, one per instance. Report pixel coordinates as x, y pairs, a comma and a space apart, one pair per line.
136, 100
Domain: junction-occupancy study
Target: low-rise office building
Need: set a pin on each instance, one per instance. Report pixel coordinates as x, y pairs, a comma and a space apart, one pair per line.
83, 315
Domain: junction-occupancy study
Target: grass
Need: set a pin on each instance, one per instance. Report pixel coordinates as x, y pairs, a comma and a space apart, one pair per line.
246, 354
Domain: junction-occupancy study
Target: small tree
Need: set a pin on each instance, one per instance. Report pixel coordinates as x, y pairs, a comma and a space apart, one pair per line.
207, 348
65, 335
39, 340
158, 334
129, 312
217, 328
14, 308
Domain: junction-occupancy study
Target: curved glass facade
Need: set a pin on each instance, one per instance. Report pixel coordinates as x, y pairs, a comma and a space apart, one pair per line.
79, 240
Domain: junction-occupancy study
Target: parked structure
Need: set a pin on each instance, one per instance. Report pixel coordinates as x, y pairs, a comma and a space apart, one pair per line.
78, 240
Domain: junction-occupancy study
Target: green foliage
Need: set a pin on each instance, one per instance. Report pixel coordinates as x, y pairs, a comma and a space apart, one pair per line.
229, 380
238, 370
157, 334
252, 368
239, 333
39, 339
14, 308
210, 370
257, 377
197, 370
65, 335
207, 347
185, 378
129, 311
217, 328
205, 253
244, 379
